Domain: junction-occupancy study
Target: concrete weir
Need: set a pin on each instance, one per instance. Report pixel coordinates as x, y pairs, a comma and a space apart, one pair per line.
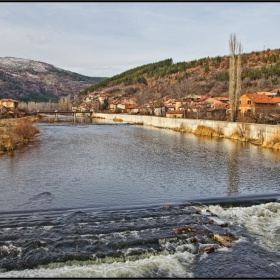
250, 130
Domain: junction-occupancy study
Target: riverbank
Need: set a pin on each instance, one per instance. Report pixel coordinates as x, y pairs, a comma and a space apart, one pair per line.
16, 132
267, 136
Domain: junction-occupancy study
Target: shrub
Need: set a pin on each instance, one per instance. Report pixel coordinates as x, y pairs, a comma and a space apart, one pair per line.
206, 131
24, 129
117, 120
274, 141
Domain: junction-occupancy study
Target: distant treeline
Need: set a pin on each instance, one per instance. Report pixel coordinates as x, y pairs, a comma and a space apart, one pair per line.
64, 103
34, 106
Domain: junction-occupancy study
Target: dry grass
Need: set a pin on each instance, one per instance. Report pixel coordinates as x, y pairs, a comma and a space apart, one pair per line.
117, 120
41, 115
14, 132
273, 142
206, 131
181, 128
25, 130
219, 130
241, 133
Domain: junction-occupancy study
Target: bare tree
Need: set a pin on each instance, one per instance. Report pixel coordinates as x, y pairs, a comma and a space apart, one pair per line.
143, 97
235, 71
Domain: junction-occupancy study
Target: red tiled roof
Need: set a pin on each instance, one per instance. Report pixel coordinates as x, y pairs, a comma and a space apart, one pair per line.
222, 98
133, 106
202, 98
175, 112
263, 99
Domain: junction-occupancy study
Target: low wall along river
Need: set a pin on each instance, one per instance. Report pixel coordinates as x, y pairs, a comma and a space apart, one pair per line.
250, 130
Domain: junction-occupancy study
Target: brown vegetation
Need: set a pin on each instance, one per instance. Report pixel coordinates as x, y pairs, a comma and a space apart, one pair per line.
15, 132
181, 128
273, 142
25, 130
117, 120
206, 131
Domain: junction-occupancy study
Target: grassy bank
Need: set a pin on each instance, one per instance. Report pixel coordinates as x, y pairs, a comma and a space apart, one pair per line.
16, 132
240, 134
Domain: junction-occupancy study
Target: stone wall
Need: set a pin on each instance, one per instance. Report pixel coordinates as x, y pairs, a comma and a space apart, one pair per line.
250, 130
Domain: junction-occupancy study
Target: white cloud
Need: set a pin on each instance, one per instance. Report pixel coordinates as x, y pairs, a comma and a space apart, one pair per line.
105, 39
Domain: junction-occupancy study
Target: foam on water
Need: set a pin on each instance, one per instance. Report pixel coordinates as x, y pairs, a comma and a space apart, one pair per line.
163, 265
262, 221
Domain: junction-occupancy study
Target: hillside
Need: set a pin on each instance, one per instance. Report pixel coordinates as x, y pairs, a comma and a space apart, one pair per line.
206, 76
29, 80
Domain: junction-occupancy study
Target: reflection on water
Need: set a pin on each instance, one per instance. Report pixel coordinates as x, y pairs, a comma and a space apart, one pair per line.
129, 165
96, 182
233, 173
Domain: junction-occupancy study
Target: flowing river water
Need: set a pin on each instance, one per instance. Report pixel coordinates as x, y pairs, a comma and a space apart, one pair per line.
105, 199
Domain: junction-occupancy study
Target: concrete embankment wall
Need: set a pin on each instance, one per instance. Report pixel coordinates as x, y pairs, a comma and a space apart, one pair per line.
250, 130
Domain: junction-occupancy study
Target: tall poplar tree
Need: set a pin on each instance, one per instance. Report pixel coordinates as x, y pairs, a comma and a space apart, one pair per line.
235, 72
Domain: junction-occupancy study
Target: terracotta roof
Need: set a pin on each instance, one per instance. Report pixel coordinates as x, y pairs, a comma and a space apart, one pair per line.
133, 106
175, 112
213, 100
222, 98
202, 98
263, 99
216, 109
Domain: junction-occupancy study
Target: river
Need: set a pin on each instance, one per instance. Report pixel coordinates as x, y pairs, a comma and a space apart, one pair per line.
102, 199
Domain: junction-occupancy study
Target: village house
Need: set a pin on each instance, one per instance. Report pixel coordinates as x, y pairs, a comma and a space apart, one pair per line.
222, 99
258, 103
103, 96
159, 111
191, 97
9, 103
212, 102
217, 111
113, 105
10, 108
175, 114
133, 109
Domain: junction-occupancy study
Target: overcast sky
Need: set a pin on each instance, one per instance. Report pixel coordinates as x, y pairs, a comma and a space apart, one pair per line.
105, 39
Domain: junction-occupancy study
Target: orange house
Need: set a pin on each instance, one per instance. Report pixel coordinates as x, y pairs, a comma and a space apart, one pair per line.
258, 103
9, 103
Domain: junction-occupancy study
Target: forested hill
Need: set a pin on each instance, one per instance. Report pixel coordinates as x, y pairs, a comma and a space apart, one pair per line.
29, 80
205, 76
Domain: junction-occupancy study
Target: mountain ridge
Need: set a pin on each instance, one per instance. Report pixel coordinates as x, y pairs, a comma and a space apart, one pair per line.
31, 80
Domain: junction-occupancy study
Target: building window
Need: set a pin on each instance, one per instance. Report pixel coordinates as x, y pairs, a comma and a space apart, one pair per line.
248, 101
